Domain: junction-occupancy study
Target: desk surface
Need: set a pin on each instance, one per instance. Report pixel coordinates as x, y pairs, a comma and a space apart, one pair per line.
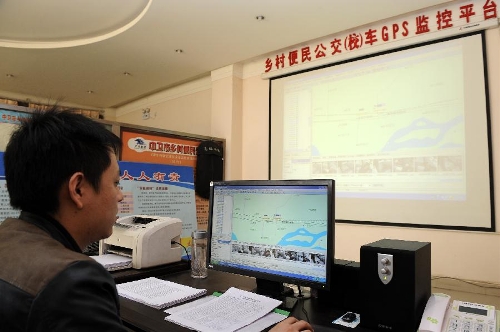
139, 317
126, 275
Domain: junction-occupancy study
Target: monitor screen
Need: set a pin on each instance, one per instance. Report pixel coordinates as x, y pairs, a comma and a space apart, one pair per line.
278, 231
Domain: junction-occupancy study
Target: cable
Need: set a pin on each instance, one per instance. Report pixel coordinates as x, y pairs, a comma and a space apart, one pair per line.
469, 282
304, 311
301, 298
175, 242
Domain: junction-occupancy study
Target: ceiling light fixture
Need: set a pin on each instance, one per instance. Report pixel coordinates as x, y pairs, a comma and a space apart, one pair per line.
90, 92
126, 73
260, 17
179, 50
9, 75
82, 38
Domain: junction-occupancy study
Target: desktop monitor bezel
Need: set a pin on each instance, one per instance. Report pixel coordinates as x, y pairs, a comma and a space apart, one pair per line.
261, 277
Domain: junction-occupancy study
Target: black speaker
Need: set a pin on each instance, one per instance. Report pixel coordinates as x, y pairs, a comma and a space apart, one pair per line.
344, 288
395, 284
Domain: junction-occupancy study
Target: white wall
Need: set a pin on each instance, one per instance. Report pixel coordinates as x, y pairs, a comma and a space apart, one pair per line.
185, 108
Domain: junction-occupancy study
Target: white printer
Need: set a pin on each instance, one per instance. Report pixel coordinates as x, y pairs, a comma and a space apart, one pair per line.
148, 240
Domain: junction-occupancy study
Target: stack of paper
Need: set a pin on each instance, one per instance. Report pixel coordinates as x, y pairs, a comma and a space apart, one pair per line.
234, 310
158, 293
114, 262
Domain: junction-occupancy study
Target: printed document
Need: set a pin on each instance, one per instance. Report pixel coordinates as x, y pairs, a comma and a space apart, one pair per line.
263, 323
192, 304
258, 325
158, 293
229, 312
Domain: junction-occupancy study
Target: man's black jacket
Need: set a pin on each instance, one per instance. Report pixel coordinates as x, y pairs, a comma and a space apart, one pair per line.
47, 284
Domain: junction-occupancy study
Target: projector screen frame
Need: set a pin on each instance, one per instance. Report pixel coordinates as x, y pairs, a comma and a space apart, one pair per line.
488, 228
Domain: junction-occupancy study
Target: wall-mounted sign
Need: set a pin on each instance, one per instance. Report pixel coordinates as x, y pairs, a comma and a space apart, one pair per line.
158, 149
159, 190
456, 17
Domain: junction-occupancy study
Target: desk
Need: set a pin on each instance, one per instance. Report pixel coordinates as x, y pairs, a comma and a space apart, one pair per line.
139, 317
121, 276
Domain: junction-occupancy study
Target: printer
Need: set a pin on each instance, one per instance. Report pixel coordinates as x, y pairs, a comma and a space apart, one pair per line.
148, 240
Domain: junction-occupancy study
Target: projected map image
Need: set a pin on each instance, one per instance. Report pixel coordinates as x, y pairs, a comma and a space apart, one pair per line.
386, 133
381, 127
398, 109
280, 220
405, 134
405, 137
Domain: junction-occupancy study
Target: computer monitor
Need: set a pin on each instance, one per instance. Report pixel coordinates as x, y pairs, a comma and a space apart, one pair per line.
278, 231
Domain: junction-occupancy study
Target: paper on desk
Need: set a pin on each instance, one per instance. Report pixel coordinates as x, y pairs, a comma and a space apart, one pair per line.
263, 323
259, 325
189, 305
158, 293
113, 261
229, 312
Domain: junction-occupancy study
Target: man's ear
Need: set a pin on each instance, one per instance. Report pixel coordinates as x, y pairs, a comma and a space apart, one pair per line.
76, 188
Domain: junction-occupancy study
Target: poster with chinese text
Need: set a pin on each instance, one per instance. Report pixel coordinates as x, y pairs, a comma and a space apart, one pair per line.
6, 210
165, 150
159, 190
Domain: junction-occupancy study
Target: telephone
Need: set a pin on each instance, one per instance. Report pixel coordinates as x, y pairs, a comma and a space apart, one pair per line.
442, 315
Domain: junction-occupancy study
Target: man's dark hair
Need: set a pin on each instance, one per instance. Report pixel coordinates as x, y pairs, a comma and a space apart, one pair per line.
46, 149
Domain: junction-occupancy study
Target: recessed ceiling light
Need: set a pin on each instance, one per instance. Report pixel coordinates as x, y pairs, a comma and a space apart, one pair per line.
90, 92
260, 17
9, 75
126, 73
179, 50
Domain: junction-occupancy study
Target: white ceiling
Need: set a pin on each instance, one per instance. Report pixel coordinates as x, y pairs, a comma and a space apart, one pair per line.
57, 50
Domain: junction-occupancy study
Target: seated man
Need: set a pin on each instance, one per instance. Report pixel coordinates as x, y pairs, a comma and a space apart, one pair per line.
62, 173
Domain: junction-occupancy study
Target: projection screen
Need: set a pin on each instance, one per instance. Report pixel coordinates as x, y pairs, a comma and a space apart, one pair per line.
405, 134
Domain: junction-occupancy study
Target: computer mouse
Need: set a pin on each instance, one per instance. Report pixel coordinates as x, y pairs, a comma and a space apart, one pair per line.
349, 317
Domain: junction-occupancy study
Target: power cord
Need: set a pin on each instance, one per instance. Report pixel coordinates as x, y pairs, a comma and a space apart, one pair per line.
304, 311
493, 286
175, 242
301, 298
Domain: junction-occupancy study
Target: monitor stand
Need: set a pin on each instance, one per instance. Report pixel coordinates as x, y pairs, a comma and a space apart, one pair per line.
302, 295
277, 291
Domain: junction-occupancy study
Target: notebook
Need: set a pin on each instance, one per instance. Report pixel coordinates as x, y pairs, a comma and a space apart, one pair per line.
158, 293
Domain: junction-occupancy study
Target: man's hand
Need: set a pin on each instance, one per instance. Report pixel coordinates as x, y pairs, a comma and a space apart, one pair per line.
292, 324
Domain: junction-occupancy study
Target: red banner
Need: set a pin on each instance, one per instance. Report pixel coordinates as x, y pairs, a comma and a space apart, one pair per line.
457, 17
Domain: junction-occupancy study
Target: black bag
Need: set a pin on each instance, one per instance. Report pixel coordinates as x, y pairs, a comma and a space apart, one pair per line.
209, 166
